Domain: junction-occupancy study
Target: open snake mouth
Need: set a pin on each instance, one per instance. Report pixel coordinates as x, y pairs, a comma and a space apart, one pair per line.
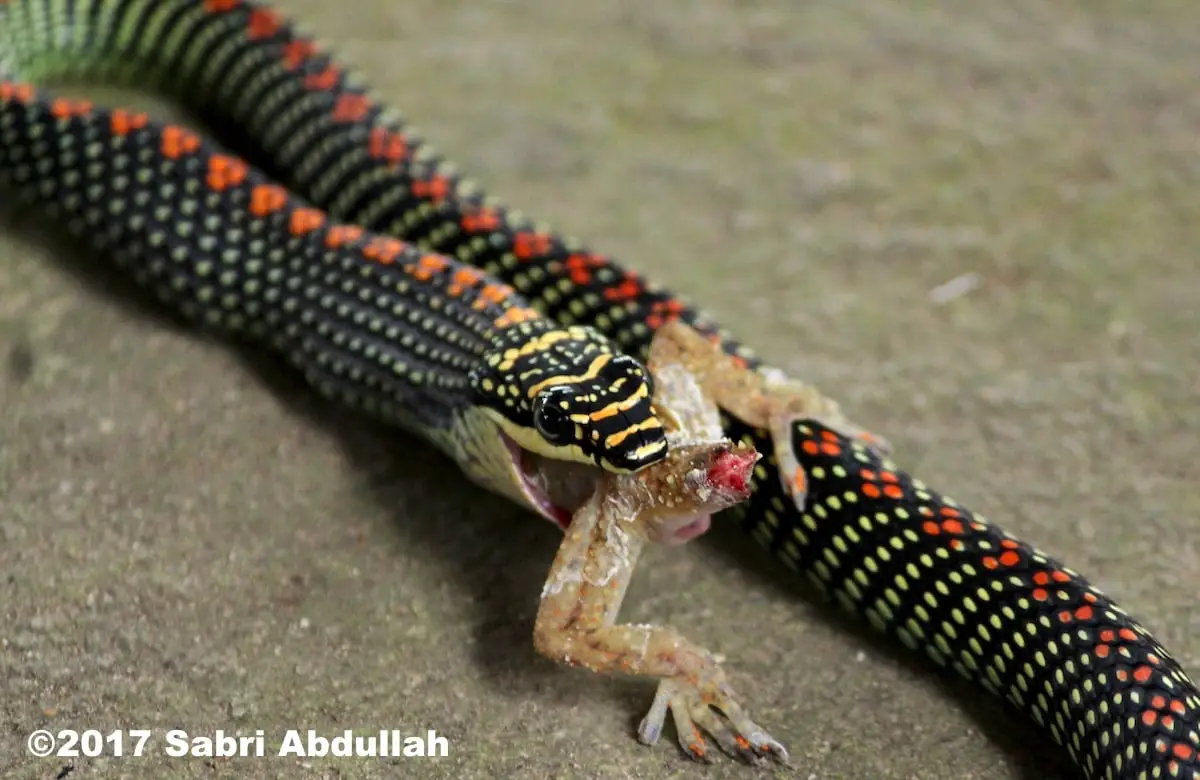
555, 488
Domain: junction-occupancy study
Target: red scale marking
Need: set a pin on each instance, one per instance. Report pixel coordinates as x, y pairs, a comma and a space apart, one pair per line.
350, 107
435, 188
662, 312
177, 141
527, 245
481, 220
323, 81
579, 267
123, 122
225, 172
340, 235
383, 250
263, 23
305, 220
625, 291
386, 145
221, 6
296, 52
267, 199
428, 265
21, 93
65, 108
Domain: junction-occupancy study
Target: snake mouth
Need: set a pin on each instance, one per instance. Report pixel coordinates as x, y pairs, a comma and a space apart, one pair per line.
555, 489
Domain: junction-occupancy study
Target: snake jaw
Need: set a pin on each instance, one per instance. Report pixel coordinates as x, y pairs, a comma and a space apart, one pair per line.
537, 483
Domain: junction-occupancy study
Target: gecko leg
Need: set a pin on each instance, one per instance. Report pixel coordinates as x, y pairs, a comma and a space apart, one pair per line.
764, 399
702, 474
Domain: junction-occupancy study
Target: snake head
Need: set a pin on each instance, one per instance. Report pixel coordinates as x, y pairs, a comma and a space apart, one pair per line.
566, 394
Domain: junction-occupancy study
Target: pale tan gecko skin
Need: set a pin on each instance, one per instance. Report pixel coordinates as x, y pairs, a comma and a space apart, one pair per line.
766, 399
576, 623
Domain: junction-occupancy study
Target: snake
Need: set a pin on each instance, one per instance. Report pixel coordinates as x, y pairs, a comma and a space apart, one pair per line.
398, 286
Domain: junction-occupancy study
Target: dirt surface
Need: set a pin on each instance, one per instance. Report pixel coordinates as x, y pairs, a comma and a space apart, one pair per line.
977, 227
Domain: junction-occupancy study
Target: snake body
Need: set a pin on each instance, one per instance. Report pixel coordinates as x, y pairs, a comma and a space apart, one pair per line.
223, 245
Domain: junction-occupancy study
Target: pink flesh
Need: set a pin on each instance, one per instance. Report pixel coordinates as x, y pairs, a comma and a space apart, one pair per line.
686, 533
731, 472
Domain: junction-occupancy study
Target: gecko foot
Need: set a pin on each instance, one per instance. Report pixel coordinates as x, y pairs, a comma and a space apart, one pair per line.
763, 398
694, 716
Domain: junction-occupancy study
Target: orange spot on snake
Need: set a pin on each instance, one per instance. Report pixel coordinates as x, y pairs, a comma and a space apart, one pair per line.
529, 245
383, 250
1041, 578
305, 220
626, 290
1127, 635
1010, 558
515, 315
124, 122
296, 52
323, 81
990, 563
870, 490
952, 526
1102, 651
1149, 717
340, 235
350, 107
65, 108
662, 312
267, 199
225, 172
1182, 751
492, 293
385, 145
891, 491
1040, 594
263, 23
21, 93
483, 220
436, 188
931, 528
177, 141
1084, 613
1142, 673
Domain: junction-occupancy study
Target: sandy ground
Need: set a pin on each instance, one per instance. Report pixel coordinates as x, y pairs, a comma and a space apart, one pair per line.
978, 228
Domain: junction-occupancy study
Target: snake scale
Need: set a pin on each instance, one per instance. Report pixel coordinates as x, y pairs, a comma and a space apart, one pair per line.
429, 293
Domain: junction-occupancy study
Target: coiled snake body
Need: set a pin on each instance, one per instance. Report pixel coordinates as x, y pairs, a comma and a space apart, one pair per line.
418, 322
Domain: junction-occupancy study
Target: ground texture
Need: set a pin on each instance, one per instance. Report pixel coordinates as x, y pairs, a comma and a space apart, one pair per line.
976, 226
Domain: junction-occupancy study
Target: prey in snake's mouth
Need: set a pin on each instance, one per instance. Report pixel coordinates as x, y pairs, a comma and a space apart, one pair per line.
556, 489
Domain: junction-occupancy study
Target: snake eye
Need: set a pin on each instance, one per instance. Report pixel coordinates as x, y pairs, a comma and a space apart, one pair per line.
550, 419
